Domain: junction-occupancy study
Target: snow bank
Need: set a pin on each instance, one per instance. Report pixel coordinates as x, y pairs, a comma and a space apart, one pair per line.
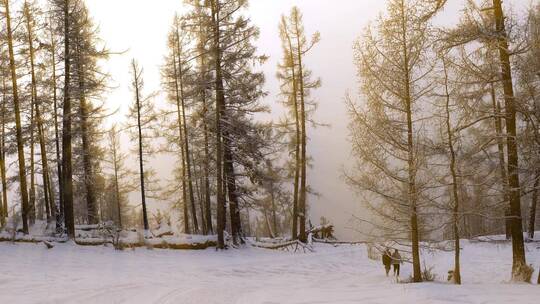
331, 274
106, 233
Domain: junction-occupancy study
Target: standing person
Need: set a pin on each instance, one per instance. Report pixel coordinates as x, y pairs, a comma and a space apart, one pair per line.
387, 260
396, 261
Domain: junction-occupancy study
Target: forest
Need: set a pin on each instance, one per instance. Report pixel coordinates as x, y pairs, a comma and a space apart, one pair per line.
443, 130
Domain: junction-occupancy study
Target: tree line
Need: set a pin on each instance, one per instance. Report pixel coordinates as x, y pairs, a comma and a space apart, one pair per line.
234, 174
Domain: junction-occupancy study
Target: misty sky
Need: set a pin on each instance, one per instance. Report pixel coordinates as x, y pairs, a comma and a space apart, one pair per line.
139, 27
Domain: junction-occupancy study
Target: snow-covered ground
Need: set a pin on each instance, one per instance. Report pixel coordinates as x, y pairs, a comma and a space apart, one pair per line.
30, 273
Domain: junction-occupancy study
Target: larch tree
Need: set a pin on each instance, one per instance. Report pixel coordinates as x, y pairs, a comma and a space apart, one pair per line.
392, 65
91, 83
58, 209
215, 26
120, 175
197, 58
141, 118
202, 86
4, 116
63, 20
296, 86
83, 81
287, 75
174, 81
30, 11
519, 265
181, 70
18, 124
455, 189
480, 76
528, 93
449, 110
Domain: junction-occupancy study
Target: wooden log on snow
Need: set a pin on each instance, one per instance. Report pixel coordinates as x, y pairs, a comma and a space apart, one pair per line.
186, 246
326, 241
100, 242
32, 240
295, 246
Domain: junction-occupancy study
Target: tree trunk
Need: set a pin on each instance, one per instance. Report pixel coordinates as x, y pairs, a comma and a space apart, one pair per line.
220, 104
189, 175
294, 234
224, 187
274, 215
248, 226
198, 183
48, 195
32, 194
186, 141
207, 203
303, 183
455, 188
185, 208
33, 97
417, 276
267, 222
38, 119
518, 249
67, 174
502, 162
234, 210
181, 145
88, 178
87, 165
207, 206
16, 105
3, 152
141, 161
534, 203
116, 183
411, 163
187, 229
58, 210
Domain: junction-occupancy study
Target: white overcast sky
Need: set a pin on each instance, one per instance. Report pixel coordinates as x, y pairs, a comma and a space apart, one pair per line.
141, 26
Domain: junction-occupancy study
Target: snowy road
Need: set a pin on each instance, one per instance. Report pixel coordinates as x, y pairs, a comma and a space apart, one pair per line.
73, 274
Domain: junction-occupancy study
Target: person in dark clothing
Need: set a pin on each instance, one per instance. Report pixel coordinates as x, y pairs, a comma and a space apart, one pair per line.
387, 260
396, 261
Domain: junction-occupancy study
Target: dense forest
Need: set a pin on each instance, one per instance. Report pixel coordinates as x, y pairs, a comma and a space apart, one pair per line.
444, 132
71, 167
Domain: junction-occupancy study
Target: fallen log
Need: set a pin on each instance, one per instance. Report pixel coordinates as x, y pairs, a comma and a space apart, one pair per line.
291, 246
186, 246
92, 242
153, 243
32, 240
325, 241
